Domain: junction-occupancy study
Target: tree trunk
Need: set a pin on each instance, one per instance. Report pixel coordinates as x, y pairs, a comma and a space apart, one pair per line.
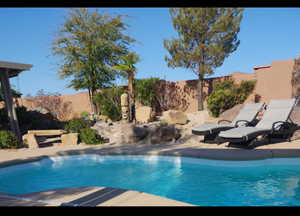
200, 92
93, 105
131, 97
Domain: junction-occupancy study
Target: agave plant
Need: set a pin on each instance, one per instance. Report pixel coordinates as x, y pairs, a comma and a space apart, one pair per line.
127, 69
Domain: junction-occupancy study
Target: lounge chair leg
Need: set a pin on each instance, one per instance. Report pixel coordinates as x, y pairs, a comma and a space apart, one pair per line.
210, 138
251, 143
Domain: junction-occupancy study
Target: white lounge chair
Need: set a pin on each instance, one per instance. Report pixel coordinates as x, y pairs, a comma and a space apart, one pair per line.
275, 121
246, 117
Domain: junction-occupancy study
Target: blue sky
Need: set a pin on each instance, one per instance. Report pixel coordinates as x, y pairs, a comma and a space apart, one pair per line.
267, 34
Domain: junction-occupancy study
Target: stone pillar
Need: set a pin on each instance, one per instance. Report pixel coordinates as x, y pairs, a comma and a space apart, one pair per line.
124, 106
8, 99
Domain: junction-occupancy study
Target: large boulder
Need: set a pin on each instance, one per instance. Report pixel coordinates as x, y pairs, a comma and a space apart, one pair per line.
121, 133
200, 117
143, 114
174, 117
230, 114
69, 139
295, 117
163, 133
30, 141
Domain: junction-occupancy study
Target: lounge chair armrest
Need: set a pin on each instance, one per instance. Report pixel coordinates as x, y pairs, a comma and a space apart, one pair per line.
224, 121
282, 123
237, 122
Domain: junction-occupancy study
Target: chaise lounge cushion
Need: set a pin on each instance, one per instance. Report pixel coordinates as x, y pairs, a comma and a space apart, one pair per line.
243, 132
211, 128
278, 110
248, 112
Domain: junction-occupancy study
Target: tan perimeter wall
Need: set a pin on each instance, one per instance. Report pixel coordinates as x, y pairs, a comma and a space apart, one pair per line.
275, 82
272, 82
78, 103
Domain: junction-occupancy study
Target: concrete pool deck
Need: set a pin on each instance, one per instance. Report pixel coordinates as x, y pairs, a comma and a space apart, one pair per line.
87, 196
124, 197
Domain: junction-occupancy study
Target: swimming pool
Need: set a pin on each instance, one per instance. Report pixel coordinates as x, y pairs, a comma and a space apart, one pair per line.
203, 182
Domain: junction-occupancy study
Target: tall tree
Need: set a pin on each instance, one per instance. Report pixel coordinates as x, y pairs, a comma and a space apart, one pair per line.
90, 43
128, 70
206, 36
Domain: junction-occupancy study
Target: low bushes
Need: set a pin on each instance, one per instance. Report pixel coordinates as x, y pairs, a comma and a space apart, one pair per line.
8, 140
145, 91
86, 134
109, 103
75, 125
90, 136
227, 94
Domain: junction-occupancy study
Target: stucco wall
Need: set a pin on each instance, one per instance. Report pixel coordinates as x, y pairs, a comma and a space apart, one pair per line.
272, 82
275, 82
78, 103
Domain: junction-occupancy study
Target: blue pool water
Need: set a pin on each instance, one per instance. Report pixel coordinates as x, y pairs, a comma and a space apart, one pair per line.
271, 182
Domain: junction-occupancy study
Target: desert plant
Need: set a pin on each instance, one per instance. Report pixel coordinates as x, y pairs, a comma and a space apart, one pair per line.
90, 136
75, 125
8, 140
127, 69
84, 115
227, 94
206, 37
145, 90
89, 43
109, 103
245, 88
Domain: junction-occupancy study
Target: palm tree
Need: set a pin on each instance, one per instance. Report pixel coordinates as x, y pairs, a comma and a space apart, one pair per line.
128, 70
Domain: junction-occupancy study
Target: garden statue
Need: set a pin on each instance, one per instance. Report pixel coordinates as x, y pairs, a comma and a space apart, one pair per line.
124, 106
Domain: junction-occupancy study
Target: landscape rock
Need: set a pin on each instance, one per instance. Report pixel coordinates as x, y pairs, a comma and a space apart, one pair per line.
143, 114
69, 139
174, 117
230, 114
159, 134
121, 133
296, 135
295, 115
30, 140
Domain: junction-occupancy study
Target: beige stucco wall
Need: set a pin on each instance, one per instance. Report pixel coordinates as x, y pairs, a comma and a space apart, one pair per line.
239, 77
271, 83
186, 93
275, 82
79, 103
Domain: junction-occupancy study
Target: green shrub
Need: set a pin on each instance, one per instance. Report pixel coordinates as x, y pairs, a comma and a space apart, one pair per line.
75, 125
84, 115
90, 136
109, 102
227, 94
244, 90
8, 140
145, 90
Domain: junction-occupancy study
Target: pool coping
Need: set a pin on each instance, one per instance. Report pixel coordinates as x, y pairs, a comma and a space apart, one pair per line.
214, 152
87, 197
